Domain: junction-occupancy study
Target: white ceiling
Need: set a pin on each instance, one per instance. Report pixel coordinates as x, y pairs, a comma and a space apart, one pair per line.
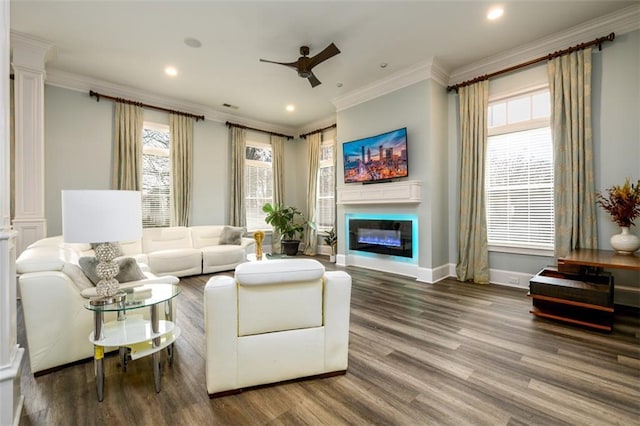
130, 42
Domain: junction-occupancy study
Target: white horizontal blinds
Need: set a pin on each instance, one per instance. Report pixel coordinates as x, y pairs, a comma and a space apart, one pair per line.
326, 201
258, 180
156, 179
519, 172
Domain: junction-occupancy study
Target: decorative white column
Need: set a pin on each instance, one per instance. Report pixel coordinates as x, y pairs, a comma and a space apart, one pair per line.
11, 353
29, 57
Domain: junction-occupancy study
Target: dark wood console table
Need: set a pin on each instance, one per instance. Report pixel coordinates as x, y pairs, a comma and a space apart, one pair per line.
602, 259
579, 262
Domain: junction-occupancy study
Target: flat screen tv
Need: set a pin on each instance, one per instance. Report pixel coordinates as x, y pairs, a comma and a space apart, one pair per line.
379, 158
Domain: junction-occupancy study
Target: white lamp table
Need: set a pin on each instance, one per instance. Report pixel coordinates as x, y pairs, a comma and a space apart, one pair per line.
135, 336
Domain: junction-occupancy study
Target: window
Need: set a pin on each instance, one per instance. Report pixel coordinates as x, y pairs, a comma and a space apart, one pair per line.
325, 201
258, 181
519, 178
156, 183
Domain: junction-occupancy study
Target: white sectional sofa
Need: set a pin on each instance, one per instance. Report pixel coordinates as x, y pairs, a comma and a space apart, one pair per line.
54, 290
183, 251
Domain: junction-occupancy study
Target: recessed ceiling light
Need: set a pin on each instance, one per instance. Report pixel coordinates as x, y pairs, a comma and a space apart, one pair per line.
171, 71
495, 13
290, 108
192, 42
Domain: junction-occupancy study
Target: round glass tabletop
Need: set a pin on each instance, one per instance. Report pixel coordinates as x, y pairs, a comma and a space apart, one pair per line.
136, 297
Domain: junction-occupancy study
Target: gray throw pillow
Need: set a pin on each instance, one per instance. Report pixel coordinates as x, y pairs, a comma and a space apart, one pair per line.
129, 269
231, 235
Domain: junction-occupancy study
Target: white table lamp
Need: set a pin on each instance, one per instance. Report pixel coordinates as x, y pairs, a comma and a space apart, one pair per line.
103, 217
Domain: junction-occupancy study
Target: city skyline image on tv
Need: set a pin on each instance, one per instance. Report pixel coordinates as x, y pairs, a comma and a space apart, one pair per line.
377, 158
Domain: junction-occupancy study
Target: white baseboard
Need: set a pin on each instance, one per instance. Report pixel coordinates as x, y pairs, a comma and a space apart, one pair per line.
432, 276
509, 278
378, 263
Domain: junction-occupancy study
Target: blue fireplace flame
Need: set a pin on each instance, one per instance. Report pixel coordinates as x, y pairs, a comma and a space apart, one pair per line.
379, 237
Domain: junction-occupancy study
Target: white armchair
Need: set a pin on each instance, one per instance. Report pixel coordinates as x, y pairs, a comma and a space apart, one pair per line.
275, 321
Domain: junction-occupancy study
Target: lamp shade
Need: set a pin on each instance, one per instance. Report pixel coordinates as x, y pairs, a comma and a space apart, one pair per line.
96, 216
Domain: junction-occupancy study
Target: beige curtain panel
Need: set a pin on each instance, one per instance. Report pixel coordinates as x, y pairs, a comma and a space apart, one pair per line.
473, 250
575, 206
314, 143
127, 147
181, 154
277, 151
238, 138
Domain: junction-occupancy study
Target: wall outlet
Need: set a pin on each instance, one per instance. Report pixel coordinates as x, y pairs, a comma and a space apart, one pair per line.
514, 280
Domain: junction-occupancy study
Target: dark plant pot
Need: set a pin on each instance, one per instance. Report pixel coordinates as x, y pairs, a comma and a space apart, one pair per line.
290, 247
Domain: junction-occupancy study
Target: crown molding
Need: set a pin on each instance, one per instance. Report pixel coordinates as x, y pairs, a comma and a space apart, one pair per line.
80, 83
418, 72
30, 52
620, 22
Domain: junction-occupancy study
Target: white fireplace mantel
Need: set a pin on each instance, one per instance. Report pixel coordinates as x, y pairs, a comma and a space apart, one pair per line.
397, 192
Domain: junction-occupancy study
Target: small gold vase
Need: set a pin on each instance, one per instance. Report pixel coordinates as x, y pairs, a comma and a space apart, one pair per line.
258, 236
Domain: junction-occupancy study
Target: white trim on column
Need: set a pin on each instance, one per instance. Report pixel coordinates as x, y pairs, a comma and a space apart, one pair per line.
29, 55
11, 354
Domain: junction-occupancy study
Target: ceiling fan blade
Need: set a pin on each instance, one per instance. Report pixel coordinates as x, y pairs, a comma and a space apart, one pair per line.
313, 80
293, 65
327, 53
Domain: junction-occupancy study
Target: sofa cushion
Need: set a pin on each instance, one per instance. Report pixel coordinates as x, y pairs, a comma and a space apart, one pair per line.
206, 235
280, 270
129, 269
231, 235
269, 295
180, 262
44, 258
222, 255
78, 277
157, 239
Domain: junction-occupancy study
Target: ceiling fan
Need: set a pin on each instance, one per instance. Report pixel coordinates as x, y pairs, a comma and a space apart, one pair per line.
304, 64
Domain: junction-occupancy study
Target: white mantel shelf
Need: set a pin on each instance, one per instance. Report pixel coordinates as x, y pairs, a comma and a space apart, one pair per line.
407, 192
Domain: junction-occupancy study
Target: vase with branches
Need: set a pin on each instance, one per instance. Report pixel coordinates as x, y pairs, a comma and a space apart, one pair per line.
622, 202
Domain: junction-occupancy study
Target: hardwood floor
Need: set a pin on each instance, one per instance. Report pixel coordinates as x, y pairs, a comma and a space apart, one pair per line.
449, 353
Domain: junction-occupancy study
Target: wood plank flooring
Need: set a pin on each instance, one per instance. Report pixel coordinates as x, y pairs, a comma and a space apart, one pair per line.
419, 354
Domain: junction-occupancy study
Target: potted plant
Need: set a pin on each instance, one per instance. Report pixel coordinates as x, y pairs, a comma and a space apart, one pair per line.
622, 202
331, 239
289, 222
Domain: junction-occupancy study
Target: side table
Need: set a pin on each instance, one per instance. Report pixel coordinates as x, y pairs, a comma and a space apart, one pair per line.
135, 336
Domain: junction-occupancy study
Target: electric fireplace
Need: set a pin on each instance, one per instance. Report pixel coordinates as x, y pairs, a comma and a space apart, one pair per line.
382, 236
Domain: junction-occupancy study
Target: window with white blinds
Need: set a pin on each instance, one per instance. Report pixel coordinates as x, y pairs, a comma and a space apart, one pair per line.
258, 184
519, 172
326, 198
156, 178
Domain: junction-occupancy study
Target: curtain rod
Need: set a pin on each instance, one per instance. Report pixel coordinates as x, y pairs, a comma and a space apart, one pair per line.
241, 126
126, 101
318, 131
548, 57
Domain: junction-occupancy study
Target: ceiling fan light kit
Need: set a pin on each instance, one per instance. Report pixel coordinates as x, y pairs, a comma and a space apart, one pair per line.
305, 64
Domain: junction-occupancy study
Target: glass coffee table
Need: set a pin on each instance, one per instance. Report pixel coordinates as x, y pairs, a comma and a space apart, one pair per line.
135, 336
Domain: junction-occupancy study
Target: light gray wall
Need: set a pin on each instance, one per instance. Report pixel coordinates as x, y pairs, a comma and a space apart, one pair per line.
616, 138
78, 134
616, 120
78, 144
410, 107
